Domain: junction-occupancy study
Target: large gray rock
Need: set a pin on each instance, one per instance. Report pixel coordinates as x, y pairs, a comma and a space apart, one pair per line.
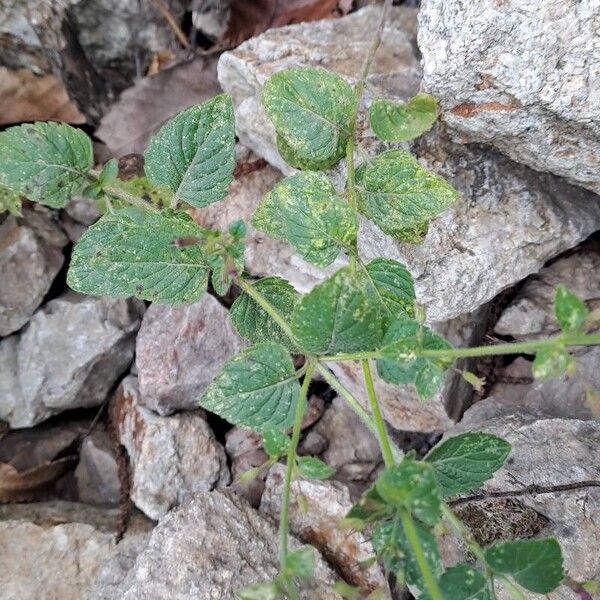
551, 452
207, 549
325, 504
55, 550
30, 258
171, 458
180, 350
522, 77
69, 356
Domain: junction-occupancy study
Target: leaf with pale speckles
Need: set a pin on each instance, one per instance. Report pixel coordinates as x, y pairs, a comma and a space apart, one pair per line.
338, 315
400, 196
402, 365
312, 110
305, 210
193, 154
45, 162
257, 388
253, 323
132, 252
399, 122
462, 582
9, 201
570, 310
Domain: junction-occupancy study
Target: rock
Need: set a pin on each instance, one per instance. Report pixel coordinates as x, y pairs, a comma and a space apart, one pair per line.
179, 352
30, 258
326, 504
83, 210
552, 452
508, 223
209, 548
97, 473
351, 448
70, 355
523, 80
339, 45
171, 458
531, 314
55, 550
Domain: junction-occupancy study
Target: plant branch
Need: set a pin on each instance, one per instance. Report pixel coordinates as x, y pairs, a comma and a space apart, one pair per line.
290, 464
382, 434
166, 13
431, 584
129, 198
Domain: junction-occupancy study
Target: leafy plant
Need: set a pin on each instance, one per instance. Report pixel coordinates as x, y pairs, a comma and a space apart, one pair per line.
146, 245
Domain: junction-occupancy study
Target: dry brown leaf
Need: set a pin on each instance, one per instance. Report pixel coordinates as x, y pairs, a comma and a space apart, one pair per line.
28, 97
143, 108
251, 18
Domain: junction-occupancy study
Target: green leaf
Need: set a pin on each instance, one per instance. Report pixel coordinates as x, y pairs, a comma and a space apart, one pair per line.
304, 210
193, 154
257, 388
570, 310
312, 111
398, 556
253, 323
401, 364
552, 363
400, 196
300, 564
46, 162
275, 442
462, 582
269, 590
9, 201
109, 172
463, 462
133, 252
338, 315
399, 122
412, 485
310, 467
370, 507
536, 565
394, 286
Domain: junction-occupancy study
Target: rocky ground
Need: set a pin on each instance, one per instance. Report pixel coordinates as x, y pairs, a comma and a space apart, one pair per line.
98, 397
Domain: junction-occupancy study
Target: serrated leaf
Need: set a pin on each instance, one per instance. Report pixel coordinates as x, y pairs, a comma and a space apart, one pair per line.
253, 323
193, 154
338, 315
570, 310
304, 210
536, 565
132, 252
312, 111
10, 201
275, 442
400, 196
412, 485
462, 582
552, 362
257, 388
46, 162
310, 467
394, 287
399, 122
402, 365
398, 556
463, 462
300, 563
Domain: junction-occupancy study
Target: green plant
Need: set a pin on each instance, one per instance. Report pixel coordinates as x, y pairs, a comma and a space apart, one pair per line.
365, 312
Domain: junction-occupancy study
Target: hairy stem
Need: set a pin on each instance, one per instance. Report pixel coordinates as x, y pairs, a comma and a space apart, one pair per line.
290, 464
431, 584
136, 201
382, 434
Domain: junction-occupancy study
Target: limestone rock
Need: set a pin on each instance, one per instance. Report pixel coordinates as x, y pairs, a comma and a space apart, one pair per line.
180, 350
524, 78
55, 550
209, 548
171, 458
552, 452
30, 258
327, 503
69, 356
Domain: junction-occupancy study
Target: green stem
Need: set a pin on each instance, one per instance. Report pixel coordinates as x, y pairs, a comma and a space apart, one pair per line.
515, 592
129, 198
382, 434
291, 462
410, 531
351, 356
463, 532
